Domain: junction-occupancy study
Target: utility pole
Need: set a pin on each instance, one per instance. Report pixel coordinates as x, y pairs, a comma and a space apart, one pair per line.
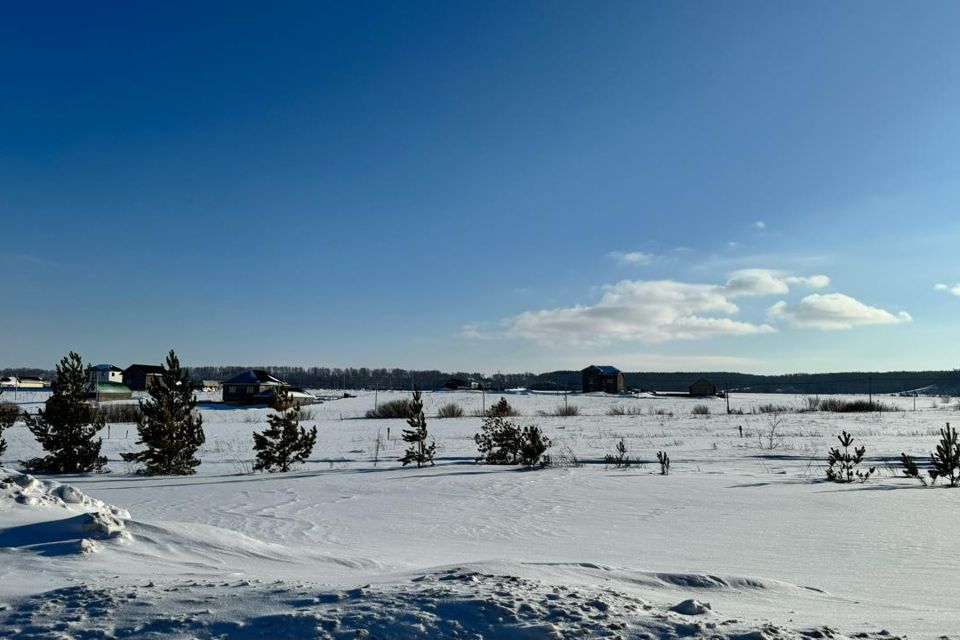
870, 388
726, 393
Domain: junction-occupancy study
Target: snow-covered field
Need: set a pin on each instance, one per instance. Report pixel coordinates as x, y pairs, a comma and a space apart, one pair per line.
739, 541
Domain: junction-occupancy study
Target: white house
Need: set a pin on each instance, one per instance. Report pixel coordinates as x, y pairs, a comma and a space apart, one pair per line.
105, 373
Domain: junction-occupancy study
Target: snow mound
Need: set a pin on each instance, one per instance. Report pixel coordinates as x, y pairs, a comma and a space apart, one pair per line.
31, 500
449, 603
691, 607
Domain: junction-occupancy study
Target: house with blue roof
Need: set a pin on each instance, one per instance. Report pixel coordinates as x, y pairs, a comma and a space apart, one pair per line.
602, 378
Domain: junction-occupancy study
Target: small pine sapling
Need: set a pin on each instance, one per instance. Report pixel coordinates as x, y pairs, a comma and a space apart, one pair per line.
284, 443
618, 460
416, 436
910, 468
502, 409
842, 465
67, 426
664, 461
533, 446
169, 427
498, 441
946, 459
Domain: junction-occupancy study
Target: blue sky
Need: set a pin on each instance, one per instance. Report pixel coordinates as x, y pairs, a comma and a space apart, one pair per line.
765, 187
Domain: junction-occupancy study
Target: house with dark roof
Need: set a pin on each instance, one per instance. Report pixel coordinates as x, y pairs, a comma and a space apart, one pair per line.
139, 376
702, 388
255, 386
602, 378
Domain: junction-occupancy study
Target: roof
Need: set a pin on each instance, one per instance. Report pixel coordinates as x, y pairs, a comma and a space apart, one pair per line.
253, 376
605, 369
146, 368
106, 367
702, 381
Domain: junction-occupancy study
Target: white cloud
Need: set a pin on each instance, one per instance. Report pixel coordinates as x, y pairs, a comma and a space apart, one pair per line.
954, 289
634, 310
811, 282
757, 282
634, 258
760, 225
654, 311
833, 311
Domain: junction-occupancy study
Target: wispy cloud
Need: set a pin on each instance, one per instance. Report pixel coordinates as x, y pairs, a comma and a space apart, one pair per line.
632, 258
954, 289
760, 225
832, 312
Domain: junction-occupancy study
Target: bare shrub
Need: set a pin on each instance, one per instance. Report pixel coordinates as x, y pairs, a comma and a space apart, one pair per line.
839, 405
620, 410
450, 410
394, 409
700, 410
773, 408
770, 438
562, 411
664, 461
307, 413
118, 413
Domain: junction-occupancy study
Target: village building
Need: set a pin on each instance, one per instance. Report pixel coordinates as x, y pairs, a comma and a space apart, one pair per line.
139, 376
702, 388
209, 385
257, 386
105, 382
105, 373
603, 378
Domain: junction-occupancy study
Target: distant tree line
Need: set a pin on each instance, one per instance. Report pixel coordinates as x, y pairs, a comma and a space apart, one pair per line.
863, 382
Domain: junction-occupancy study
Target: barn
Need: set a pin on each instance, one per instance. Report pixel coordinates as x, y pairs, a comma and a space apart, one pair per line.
602, 378
139, 376
702, 388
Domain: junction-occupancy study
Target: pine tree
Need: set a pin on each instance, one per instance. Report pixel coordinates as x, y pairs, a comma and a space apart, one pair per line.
9, 413
946, 459
169, 428
618, 460
498, 441
843, 464
285, 442
533, 446
67, 424
910, 468
419, 451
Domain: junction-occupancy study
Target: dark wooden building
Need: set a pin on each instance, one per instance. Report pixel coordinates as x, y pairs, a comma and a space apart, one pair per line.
255, 386
602, 378
139, 376
703, 388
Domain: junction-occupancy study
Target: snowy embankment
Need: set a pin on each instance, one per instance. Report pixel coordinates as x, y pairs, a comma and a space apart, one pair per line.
350, 543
